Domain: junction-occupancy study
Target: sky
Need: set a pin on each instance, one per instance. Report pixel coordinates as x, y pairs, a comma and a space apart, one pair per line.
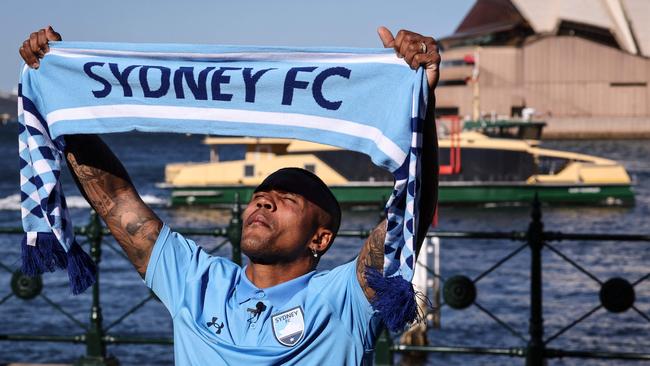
349, 23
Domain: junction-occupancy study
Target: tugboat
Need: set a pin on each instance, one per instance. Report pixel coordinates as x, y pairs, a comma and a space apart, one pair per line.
483, 163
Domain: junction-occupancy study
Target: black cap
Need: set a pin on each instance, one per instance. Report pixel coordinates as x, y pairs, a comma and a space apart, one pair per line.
306, 184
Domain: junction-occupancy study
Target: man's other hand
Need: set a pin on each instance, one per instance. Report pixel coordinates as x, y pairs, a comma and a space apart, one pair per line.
36, 46
416, 49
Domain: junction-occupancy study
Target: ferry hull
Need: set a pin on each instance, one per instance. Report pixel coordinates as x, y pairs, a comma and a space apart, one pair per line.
449, 194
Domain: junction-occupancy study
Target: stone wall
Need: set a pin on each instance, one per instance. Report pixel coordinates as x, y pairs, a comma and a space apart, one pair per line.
597, 128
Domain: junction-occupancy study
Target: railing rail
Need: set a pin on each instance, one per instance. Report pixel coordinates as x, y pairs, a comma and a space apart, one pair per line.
459, 292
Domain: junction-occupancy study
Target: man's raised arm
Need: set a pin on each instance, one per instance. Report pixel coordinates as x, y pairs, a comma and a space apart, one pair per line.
416, 50
104, 182
102, 179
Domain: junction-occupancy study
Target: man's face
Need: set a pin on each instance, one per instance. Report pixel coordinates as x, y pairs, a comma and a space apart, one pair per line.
277, 226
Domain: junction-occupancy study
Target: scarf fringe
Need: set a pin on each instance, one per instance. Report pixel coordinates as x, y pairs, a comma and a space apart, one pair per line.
395, 299
48, 256
81, 269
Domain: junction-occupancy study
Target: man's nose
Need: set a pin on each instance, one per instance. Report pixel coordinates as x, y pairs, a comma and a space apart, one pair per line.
265, 202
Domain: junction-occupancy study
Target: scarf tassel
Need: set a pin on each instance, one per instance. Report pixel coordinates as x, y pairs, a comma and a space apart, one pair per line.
48, 255
81, 269
395, 299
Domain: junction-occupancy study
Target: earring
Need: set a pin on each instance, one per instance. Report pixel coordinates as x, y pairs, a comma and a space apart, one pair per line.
314, 253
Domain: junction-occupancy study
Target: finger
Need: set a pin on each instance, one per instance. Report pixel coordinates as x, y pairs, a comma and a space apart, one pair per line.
432, 68
33, 43
42, 42
413, 61
399, 40
432, 45
419, 59
21, 50
412, 50
433, 58
30, 59
405, 43
433, 61
410, 46
28, 56
51, 34
386, 36
429, 61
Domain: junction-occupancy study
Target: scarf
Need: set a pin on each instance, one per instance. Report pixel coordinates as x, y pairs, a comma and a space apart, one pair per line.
366, 100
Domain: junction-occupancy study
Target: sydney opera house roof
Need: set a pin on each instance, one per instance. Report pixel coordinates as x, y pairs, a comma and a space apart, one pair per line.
624, 24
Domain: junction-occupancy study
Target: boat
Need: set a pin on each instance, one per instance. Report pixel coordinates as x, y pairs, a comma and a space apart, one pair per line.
530, 131
475, 168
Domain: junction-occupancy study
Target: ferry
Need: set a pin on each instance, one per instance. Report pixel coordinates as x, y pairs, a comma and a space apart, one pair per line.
495, 163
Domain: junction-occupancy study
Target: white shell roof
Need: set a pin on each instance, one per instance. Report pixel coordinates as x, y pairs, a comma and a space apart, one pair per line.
626, 19
638, 13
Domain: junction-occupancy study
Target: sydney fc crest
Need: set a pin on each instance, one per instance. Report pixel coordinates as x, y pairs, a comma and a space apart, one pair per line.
289, 326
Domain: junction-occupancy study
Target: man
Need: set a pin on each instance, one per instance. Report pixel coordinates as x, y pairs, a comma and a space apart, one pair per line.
277, 309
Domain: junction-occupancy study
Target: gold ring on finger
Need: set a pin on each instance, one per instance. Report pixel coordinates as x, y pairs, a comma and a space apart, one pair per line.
423, 47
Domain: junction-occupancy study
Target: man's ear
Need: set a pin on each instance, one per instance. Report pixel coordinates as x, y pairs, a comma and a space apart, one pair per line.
321, 240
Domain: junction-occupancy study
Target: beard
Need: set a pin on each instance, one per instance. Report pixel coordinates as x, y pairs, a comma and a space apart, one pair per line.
261, 249
258, 250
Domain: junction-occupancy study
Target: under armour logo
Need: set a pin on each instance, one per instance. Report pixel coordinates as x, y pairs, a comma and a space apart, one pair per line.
213, 323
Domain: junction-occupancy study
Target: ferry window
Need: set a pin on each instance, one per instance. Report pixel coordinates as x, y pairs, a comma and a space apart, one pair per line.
490, 165
249, 170
551, 165
311, 167
231, 152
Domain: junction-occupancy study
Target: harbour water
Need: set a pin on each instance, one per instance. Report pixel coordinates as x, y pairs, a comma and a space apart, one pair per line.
568, 294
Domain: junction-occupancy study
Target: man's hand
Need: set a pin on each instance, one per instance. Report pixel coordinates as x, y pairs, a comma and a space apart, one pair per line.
416, 49
37, 45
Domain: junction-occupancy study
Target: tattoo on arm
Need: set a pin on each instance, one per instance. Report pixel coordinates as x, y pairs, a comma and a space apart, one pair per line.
372, 255
104, 182
91, 182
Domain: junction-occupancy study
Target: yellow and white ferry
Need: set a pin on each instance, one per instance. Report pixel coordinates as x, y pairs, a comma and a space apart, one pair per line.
475, 168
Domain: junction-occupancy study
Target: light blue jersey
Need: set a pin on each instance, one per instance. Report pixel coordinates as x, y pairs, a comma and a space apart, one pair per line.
221, 318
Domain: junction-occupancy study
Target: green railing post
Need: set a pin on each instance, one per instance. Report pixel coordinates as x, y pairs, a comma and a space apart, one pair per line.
94, 337
383, 352
234, 231
535, 350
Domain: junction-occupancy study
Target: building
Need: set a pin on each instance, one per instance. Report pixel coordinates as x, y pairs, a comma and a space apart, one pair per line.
582, 65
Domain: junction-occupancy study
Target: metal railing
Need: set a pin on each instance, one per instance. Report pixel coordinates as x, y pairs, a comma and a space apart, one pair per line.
616, 295
459, 292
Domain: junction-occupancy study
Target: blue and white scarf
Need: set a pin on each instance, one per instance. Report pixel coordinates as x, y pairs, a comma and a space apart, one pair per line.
366, 100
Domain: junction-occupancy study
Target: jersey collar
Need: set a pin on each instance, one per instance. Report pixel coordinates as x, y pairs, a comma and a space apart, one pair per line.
278, 295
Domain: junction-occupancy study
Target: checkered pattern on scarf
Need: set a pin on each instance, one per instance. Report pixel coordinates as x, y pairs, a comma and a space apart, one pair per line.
43, 207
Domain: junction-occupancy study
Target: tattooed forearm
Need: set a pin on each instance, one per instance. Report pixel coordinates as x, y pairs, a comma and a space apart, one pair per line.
91, 183
372, 255
104, 182
135, 227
